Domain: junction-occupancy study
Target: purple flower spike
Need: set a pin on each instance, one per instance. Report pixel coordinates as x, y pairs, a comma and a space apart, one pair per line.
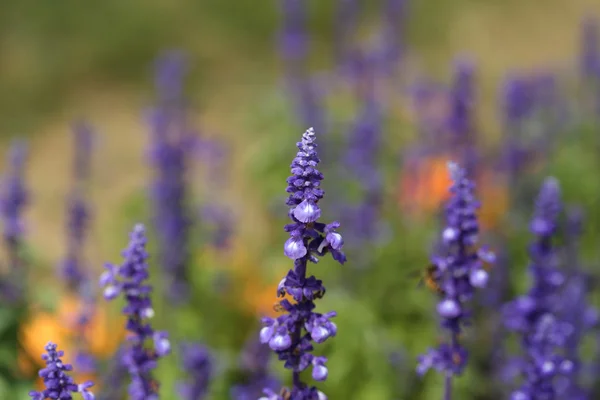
14, 197
291, 335
59, 385
129, 279
78, 211
73, 269
535, 315
461, 273
590, 49
171, 149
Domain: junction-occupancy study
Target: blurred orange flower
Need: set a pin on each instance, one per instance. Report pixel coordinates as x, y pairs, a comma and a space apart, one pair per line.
42, 327
424, 185
261, 299
494, 196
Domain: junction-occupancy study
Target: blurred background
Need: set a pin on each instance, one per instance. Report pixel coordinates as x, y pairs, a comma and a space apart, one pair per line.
259, 74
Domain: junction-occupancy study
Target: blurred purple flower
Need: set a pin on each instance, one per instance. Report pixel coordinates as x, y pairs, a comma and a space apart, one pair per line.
460, 272
198, 364
535, 316
517, 104
590, 49
308, 240
461, 118
294, 36
254, 363
172, 146
346, 24
129, 279
575, 296
59, 385
394, 14
72, 269
220, 221
362, 161
590, 60
113, 382
14, 197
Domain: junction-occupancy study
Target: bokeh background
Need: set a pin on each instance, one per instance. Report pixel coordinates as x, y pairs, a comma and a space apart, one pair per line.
63, 60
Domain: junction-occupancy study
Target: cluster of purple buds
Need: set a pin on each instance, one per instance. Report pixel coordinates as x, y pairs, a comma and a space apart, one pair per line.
172, 146
198, 363
292, 334
13, 199
535, 316
129, 279
254, 363
59, 385
460, 271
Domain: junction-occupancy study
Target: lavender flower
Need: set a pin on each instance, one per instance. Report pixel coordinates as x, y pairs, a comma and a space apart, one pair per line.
362, 161
72, 270
198, 363
171, 150
346, 21
575, 297
13, 199
590, 49
461, 272
129, 279
308, 240
535, 316
590, 64
394, 15
59, 385
294, 40
517, 106
254, 363
461, 119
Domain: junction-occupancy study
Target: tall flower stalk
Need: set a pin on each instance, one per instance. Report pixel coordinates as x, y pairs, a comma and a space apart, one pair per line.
461, 118
292, 334
14, 197
589, 65
129, 279
364, 148
59, 385
535, 316
575, 296
170, 152
460, 271
72, 268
